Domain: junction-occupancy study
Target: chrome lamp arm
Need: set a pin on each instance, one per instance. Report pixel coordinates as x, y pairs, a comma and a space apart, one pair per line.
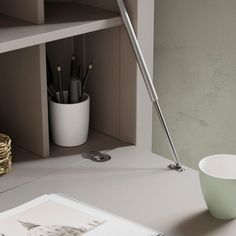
148, 81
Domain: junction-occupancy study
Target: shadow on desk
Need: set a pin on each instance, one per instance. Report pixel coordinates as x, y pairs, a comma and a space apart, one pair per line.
200, 224
96, 142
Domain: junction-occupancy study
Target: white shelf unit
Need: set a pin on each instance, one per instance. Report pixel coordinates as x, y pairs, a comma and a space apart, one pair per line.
93, 32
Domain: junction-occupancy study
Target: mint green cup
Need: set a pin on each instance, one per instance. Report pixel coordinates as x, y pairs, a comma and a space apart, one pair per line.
218, 183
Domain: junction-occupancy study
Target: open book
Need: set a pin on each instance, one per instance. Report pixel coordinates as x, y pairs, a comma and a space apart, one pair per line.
57, 215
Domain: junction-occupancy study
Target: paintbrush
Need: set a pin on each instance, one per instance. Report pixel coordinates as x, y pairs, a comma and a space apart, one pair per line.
60, 85
72, 66
90, 67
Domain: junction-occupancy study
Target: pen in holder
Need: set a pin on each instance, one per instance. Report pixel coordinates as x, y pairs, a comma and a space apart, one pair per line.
69, 123
69, 110
75, 94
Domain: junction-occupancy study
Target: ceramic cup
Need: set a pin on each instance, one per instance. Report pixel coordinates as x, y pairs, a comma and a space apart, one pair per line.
69, 123
218, 182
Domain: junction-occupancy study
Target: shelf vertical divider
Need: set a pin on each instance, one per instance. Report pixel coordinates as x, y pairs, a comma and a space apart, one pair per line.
131, 104
23, 97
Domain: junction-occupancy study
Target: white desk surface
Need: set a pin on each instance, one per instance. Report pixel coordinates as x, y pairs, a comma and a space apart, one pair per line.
136, 185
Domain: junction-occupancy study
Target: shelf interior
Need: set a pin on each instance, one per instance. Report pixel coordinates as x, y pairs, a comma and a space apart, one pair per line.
70, 13
29, 10
62, 20
69, 28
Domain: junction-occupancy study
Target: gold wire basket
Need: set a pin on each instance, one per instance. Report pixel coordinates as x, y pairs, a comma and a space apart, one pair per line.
5, 154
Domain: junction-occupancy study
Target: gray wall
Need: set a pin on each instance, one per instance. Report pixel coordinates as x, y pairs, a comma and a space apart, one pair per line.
195, 74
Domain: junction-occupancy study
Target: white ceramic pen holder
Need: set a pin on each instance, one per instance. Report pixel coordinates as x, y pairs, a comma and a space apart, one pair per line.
218, 182
69, 123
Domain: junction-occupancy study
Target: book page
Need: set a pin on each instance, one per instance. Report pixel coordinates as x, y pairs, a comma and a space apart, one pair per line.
56, 215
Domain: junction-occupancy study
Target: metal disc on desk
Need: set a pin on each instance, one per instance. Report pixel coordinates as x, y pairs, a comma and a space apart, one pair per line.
90, 154
96, 156
102, 157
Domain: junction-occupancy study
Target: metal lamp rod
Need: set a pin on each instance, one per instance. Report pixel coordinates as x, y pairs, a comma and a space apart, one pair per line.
148, 81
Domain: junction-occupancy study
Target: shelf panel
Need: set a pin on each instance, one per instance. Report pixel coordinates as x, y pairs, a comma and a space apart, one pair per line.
62, 20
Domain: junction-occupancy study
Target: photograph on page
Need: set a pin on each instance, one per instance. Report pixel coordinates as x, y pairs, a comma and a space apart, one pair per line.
49, 219
57, 215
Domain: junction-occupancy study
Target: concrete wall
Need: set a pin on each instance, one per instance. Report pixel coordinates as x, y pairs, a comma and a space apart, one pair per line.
195, 74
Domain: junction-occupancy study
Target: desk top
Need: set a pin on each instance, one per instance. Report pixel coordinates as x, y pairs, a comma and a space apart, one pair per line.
136, 185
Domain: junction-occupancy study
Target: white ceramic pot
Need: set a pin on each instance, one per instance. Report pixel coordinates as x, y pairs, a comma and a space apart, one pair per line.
218, 183
69, 123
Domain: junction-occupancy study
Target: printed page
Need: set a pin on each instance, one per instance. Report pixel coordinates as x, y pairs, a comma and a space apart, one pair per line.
57, 215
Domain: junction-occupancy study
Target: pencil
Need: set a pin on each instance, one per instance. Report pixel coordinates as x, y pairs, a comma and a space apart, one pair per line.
90, 67
72, 66
60, 85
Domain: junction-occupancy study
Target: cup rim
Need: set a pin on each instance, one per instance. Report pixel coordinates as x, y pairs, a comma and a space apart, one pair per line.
200, 165
71, 104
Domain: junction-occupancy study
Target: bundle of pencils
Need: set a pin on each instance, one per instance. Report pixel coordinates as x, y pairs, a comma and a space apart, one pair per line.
77, 83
